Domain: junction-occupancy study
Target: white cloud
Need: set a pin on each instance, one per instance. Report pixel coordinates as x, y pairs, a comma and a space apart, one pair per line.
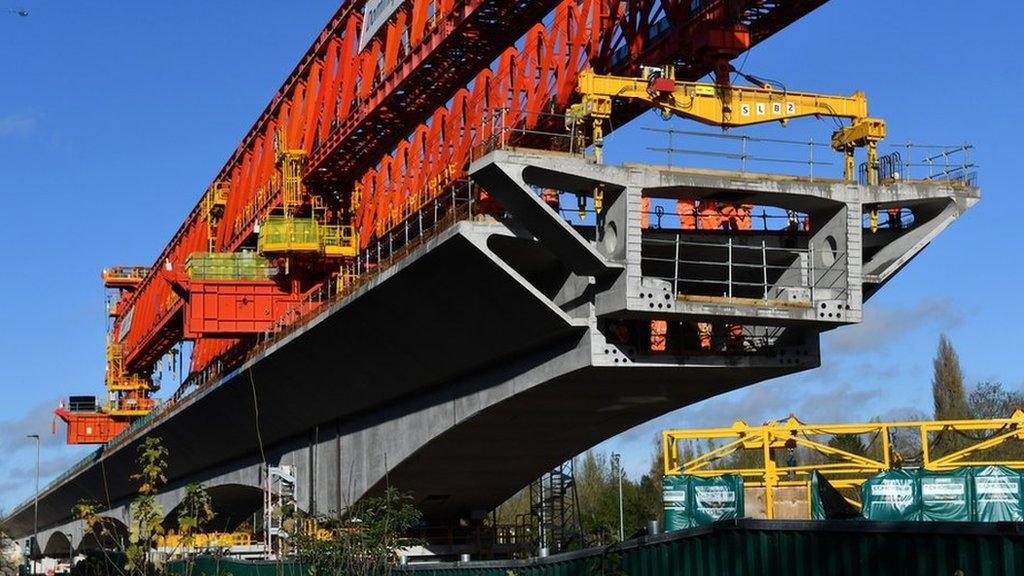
884, 325
21, 124
37, 420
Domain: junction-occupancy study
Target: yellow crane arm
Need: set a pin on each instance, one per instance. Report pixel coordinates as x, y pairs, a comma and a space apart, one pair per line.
729, 106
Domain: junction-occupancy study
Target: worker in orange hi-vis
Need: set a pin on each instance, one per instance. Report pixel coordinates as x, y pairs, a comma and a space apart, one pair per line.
687, 211
704, 334
736, 216
550, 197
895, 218
744, 213
735, 341
645, 212
659, 328
710, 216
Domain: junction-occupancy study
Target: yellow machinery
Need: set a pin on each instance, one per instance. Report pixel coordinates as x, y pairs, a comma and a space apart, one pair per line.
728, 106
288, 234
764, 445
204, 540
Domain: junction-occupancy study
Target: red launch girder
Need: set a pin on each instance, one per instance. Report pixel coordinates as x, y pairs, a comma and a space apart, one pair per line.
387, 123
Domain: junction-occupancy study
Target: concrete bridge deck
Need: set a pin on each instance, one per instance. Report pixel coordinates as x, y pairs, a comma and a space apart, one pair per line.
494, 350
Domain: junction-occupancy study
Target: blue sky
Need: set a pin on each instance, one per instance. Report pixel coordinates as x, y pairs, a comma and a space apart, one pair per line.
114, 116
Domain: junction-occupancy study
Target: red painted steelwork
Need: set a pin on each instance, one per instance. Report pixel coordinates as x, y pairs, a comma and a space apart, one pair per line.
397, 121
221, 309
91, 427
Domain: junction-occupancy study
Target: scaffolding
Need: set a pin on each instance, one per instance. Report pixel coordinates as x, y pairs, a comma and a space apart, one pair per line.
554, 506
279, 496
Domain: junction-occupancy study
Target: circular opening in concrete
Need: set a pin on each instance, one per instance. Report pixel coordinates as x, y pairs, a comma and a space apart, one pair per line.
828, 256
611, 238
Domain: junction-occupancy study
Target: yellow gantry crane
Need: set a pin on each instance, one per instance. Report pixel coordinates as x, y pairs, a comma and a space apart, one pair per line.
728, 106
772, 449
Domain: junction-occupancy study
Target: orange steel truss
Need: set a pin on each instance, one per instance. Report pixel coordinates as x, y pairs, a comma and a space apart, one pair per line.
384, 129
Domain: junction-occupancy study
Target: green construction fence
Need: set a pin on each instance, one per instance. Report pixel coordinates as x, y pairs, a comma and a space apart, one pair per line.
744, 548
979, 494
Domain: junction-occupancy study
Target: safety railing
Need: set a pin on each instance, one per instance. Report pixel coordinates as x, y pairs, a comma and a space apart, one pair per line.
434, 217
117, 276
339, 236
728, 268
564, 134
669, 214
741, 149
951, 163
945, 162
228, 266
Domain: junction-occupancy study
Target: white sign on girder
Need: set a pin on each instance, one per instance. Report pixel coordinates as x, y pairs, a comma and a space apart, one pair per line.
375, 15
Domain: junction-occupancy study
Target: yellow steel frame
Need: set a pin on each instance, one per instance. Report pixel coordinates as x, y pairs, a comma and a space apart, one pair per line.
292, 163
176, 541
123, 276
729, 106
330, 240
117, 379
214, 201
848, 469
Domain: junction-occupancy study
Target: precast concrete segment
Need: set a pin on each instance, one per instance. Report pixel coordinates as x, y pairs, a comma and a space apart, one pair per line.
846, 261
445, 310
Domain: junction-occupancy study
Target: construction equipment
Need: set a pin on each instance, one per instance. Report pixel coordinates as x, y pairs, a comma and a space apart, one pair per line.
279, 495
374, 127
727, 106
554, 506
769, 454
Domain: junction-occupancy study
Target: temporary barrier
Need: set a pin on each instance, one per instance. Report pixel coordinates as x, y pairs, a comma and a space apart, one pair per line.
740, 548
676, 496
891, 495
693, 501
946, 496
716, 498
997, 494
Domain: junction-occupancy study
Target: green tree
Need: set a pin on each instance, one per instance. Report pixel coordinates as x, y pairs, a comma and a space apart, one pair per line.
194, 513
366, 541
146, 514
649, 487
7, 548
597, 491
948, 383
850, 443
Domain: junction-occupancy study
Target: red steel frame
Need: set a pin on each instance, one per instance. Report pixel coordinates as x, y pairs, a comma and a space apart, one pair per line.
387, 123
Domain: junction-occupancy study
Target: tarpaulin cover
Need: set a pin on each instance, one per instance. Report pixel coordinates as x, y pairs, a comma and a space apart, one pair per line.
676, 497
827, 503
997, 494
891, 495
946, 496
717, 498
